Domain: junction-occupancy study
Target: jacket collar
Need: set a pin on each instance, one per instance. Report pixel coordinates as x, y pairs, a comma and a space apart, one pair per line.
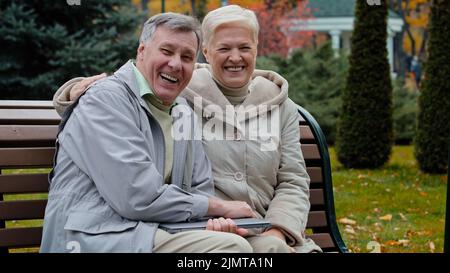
126, 75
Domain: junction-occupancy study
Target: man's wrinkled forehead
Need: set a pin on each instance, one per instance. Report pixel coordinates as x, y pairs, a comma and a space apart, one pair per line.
174, 38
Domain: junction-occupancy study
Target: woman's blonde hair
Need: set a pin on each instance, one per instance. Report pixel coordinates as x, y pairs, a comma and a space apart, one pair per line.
227, 15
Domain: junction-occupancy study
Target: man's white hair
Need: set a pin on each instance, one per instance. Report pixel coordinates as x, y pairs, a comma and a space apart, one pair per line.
173, 21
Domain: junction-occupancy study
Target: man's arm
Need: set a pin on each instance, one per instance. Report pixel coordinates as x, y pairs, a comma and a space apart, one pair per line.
103, 138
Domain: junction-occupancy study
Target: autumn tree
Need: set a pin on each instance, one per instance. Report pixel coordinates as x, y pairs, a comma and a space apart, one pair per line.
434, 102
365, 127
414, 34
275, 20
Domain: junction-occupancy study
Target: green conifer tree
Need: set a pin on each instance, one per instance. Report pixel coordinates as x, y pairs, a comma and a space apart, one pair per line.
433, 128
45, 42
365, 127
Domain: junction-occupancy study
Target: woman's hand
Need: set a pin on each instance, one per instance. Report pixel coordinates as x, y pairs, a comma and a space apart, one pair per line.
277, 233
80, 87
274, 232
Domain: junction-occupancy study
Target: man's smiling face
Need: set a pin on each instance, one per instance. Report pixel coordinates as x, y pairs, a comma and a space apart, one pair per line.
167, 61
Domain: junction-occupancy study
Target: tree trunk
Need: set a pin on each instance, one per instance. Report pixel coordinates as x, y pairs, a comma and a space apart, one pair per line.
193, 8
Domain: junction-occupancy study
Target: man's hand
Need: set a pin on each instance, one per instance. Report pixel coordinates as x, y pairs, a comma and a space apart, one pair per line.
80, 87
225, 225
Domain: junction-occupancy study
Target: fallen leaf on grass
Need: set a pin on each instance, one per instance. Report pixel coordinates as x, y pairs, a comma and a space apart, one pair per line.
347, 221
403, 217
401, 242
348, 229
387, 217
361, 228
422, 193
432, 246
391, 243
424, 233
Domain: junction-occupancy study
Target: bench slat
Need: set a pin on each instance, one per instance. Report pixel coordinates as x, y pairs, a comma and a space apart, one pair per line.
324, 240
306, 134
316, 197
24, 183
26, 104
315, 174
22, 210
29, 117
316, 219
26, 157
310, 152
20, 237
28, 133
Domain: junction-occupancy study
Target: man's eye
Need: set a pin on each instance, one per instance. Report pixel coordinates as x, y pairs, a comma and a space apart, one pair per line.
165, 51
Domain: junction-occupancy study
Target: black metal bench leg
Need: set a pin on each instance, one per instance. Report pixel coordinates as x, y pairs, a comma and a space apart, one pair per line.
447, 208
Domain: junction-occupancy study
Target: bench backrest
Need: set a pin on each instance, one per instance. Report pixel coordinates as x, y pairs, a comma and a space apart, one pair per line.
27, 139
322, 216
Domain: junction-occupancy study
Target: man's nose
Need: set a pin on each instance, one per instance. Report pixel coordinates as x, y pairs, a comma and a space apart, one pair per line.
175, 62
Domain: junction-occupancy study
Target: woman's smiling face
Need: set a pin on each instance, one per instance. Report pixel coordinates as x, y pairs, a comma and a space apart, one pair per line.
231, 52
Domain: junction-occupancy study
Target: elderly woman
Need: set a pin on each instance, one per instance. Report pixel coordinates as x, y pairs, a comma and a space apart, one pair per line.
250, 131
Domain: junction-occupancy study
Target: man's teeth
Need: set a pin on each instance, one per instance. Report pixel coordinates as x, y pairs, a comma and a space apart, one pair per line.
234, 68
169, 78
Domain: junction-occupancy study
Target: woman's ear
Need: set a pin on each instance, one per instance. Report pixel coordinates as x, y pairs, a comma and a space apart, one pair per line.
205, 53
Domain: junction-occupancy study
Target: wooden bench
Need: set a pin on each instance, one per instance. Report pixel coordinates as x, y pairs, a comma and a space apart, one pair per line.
27, 135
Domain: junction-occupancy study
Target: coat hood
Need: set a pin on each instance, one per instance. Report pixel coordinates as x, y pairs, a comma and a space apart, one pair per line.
267, 88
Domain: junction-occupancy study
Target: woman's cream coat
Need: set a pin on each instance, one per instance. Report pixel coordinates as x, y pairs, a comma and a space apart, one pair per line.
255, 150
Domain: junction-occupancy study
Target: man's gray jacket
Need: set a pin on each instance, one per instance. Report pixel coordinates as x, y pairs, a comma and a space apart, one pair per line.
108, 191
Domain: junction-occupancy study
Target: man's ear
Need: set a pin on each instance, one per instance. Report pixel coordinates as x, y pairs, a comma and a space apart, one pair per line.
140, 51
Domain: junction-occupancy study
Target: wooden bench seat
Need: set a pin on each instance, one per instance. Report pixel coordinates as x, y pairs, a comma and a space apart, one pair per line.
27, 136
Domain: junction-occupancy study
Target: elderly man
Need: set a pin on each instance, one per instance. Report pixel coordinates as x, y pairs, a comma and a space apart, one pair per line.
118, 169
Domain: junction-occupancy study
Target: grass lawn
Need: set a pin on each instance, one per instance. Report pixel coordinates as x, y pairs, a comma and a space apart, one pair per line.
396, 208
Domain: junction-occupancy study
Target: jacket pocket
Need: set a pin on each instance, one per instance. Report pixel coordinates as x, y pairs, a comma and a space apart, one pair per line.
91, 223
